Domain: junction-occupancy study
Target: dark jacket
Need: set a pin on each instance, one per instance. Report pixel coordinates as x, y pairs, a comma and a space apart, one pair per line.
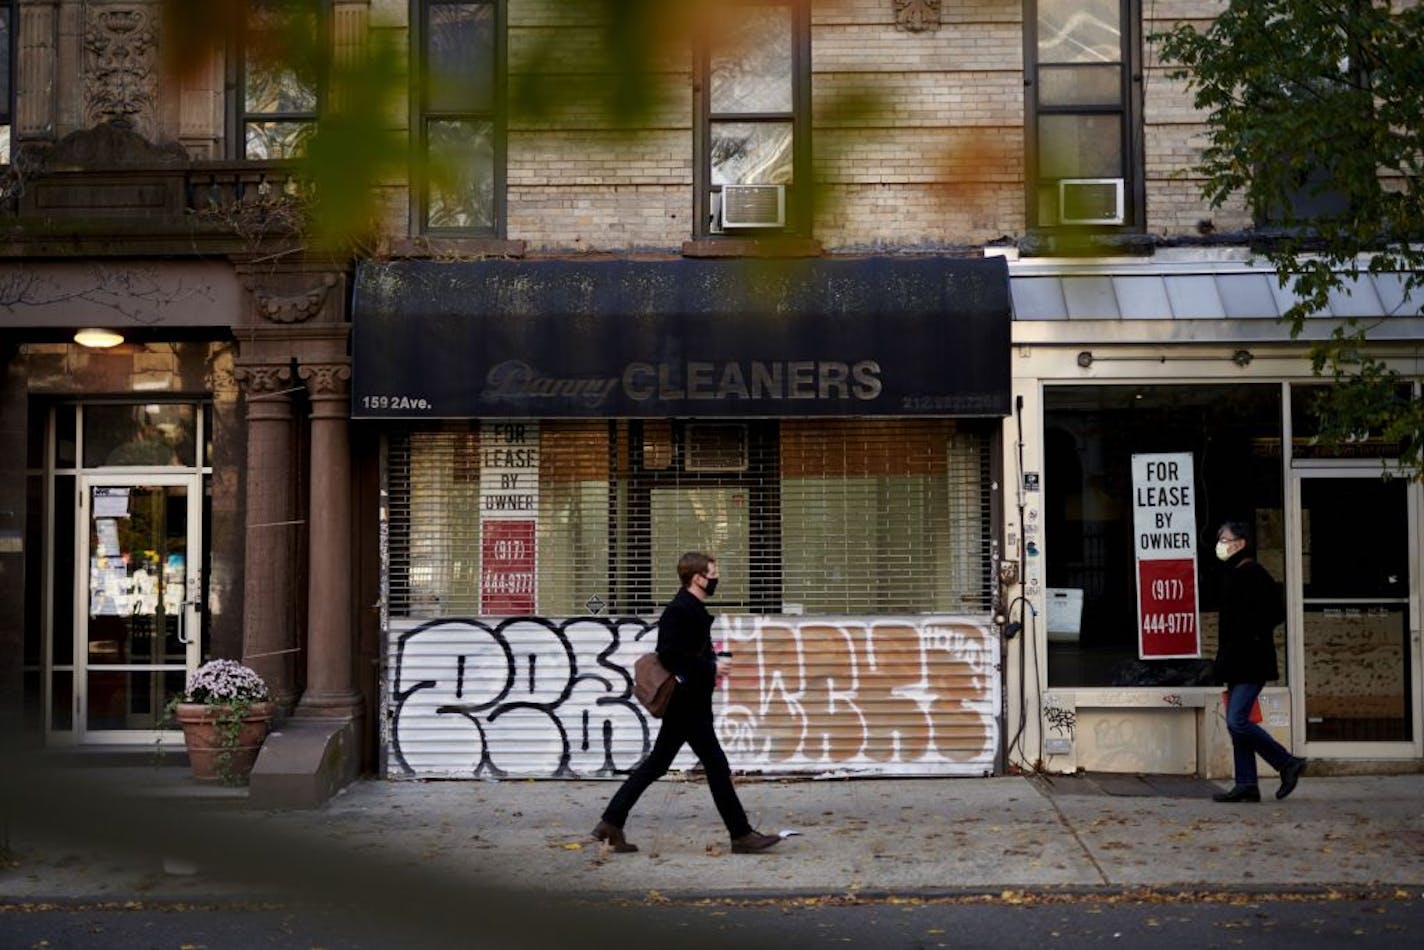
685, 644
1252, 604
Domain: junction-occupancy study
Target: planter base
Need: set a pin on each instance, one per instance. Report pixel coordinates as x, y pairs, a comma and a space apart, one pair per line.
211, 759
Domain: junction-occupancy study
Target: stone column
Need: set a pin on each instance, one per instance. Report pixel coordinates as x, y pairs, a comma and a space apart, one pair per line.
269, 636
331, 688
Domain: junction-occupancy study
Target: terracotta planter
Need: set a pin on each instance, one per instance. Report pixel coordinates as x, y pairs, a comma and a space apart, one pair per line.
206, 750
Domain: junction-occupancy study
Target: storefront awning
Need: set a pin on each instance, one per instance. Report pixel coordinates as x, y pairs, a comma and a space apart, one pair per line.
654, 338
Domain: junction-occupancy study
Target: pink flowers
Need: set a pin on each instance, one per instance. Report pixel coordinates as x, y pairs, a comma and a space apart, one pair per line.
220, 682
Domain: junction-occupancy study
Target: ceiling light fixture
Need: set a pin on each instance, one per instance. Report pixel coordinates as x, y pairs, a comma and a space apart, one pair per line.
97, 338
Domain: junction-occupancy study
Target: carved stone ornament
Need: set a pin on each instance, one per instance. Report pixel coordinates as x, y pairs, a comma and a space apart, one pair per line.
292, 308
263, 380
297, 305
327, 379
917, 16
120, 66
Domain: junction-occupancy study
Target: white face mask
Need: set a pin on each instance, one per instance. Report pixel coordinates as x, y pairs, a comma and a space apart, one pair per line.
1223, 550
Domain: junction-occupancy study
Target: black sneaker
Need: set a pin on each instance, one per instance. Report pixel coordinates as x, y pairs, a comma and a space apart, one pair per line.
1239, 793
1290, 775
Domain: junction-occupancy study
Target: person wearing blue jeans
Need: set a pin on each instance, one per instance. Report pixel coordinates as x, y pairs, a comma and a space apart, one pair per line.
1252, 605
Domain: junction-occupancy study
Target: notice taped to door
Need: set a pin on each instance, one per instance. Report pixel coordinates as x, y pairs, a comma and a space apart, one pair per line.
1164, 523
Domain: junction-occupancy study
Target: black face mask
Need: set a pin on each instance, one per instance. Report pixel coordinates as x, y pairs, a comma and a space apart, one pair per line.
711, 587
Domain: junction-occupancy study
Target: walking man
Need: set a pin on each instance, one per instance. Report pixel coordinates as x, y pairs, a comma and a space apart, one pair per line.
685, 649
1251, 607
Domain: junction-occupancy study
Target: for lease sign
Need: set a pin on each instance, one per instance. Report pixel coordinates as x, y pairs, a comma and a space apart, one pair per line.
1164, 540
509, 511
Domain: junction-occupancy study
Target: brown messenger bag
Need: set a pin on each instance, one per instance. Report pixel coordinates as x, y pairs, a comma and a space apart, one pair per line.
653, 684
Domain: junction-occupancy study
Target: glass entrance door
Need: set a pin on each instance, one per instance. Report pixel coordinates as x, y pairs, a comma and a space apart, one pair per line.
138, 592
1358, 659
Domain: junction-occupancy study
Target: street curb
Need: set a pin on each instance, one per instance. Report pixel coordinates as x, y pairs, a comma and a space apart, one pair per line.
1193, 893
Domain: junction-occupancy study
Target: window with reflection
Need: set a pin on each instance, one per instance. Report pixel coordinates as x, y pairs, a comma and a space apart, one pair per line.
1084, 54
460, 121
1233, 434
281, 64
152, 434
754, 129
1312, 406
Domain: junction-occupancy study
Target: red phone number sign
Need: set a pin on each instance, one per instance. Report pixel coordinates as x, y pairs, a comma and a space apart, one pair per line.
1164, 539
506, 567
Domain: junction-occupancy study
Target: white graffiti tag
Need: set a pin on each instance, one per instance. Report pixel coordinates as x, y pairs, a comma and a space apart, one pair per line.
545, 697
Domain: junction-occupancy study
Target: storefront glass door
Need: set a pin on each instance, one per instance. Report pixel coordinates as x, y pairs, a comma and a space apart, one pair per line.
1358, 659
137, 593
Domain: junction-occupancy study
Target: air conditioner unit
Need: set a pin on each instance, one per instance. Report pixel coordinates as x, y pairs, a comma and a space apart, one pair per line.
711, 447
753, 206
1090, 201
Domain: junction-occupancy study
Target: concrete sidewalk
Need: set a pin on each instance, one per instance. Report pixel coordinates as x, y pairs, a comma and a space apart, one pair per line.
855, 837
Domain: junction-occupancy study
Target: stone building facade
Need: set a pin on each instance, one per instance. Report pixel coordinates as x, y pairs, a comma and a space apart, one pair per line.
827, 153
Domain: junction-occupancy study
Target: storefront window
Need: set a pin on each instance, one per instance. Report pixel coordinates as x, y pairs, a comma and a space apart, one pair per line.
1307, 404
153, 434
575, 518
1090, 435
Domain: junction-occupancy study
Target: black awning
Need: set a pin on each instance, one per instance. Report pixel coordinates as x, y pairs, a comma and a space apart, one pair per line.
653, 338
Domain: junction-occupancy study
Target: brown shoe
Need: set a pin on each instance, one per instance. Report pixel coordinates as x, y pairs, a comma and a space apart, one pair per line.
604, 831
753, 842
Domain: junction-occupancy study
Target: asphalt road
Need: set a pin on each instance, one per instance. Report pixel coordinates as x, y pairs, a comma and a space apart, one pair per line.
1006, 920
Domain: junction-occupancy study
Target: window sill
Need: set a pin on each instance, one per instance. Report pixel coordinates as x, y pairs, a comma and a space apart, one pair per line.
752, 247
1085, 242
456, 247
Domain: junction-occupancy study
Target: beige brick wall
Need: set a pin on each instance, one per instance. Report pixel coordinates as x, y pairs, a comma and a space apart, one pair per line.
612, 217
1174, 132
929, 153
918, 138
893, 216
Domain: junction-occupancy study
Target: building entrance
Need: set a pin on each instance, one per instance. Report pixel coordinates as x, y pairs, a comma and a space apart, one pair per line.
1359, 655
126, 565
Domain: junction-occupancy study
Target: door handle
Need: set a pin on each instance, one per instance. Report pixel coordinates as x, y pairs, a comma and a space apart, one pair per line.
184, 607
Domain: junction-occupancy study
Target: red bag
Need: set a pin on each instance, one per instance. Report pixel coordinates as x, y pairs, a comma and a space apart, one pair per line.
1255, 715
653, 684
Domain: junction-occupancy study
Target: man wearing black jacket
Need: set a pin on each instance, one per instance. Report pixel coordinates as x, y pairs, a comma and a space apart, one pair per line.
1251, 607
685, 649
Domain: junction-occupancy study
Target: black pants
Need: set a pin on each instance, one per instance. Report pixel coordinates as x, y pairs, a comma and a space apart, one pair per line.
689, 720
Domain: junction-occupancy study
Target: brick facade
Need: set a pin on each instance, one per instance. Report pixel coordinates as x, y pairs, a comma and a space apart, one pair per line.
918, 137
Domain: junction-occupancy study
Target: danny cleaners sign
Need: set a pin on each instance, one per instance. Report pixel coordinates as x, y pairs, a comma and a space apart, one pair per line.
1164, 540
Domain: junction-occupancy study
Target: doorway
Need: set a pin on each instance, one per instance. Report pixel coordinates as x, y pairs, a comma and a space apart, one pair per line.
1358, 659
127, 500
139, 634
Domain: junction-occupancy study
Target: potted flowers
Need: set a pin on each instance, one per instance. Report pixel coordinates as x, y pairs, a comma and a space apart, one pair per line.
224, 714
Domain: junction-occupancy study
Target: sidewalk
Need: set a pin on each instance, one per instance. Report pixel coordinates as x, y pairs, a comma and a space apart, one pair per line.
869, 837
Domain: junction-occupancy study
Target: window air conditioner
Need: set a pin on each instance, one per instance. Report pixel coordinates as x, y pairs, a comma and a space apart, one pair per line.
1090, 201
715, 448
753, 206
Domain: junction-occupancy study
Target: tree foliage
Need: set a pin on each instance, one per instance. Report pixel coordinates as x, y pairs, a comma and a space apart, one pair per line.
1314, 118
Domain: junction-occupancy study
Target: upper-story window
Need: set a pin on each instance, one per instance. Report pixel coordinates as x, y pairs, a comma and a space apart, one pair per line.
1084, 141
459, 122
753, 130
7, 76
279, 88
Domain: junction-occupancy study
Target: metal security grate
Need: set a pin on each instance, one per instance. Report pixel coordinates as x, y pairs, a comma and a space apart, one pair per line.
571, 518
